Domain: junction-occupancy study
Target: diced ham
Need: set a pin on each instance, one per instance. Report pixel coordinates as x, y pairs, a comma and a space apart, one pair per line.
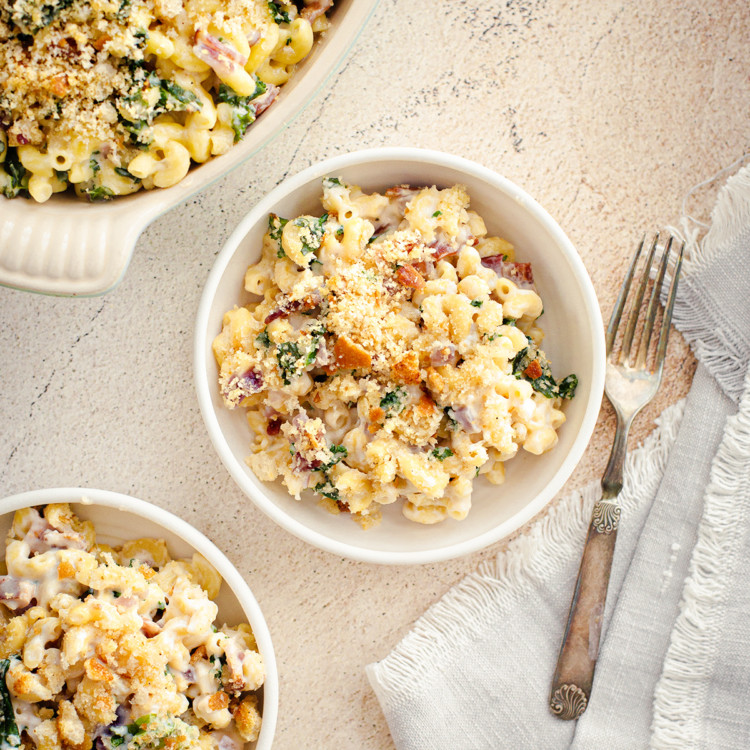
264, 101
315, 8
465, 416
16, 594
224, 60
520, 274
444, 355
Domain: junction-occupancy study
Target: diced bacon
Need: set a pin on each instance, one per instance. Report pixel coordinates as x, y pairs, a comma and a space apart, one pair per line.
287, 307
441, 249
274, 426
315, 8
224, 60
534, 370
520, 274
410, 277
402, 193
239, 386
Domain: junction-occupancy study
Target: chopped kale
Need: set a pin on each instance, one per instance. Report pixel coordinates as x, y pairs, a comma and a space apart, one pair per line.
98, 193
436, 214
442, 453
279, 15
124, 173
123, 12
9, 734
452, 421
327, 489
393, 401
173, 97
275, 227
262, 339
16, 177
33, 15
243, 110
288, 356
531, 365
339, 454
476, 303
329, 182
312, 232
148, 97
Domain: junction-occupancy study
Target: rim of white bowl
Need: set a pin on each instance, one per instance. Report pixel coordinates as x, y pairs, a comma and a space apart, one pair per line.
174, 524
596, 332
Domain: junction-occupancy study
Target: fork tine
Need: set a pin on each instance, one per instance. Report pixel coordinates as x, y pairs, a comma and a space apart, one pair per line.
653, 306
667, 319
635, 309
614, 320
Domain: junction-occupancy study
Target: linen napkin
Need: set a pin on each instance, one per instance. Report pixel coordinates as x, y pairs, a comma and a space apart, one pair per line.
475, 671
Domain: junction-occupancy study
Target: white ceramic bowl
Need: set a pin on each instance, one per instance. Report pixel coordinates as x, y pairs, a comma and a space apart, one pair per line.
118, 518
70, 247
574, 342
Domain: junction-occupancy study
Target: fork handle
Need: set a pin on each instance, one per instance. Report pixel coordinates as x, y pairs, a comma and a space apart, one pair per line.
571, 685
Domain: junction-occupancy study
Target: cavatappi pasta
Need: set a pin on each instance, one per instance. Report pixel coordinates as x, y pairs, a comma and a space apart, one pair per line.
116, 647
111, 96
393, 354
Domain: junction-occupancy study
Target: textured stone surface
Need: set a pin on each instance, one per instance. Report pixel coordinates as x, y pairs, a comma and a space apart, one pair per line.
607, 113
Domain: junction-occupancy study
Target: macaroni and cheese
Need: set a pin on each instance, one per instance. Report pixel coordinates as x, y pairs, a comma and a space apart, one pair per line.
394, 353
110, 96
116, 647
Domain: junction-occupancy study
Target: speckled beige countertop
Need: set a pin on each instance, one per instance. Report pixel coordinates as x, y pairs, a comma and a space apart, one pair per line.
607, 113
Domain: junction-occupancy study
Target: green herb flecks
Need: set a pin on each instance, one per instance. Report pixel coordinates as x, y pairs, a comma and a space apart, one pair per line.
476, 303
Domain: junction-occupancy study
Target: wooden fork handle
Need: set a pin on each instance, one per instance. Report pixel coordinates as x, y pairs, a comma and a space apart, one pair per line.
571, 685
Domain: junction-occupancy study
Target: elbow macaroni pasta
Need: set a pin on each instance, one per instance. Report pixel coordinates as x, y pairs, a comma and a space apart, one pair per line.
121, 642
111, 96
393, 353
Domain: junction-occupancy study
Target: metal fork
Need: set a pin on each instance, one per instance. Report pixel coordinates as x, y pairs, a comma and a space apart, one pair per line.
632, 378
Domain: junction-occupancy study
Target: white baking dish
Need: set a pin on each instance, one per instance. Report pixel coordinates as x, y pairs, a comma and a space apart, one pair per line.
69, 247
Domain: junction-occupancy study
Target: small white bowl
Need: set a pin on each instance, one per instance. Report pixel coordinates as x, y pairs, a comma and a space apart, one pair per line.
118, 518
574, 342
70, 247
